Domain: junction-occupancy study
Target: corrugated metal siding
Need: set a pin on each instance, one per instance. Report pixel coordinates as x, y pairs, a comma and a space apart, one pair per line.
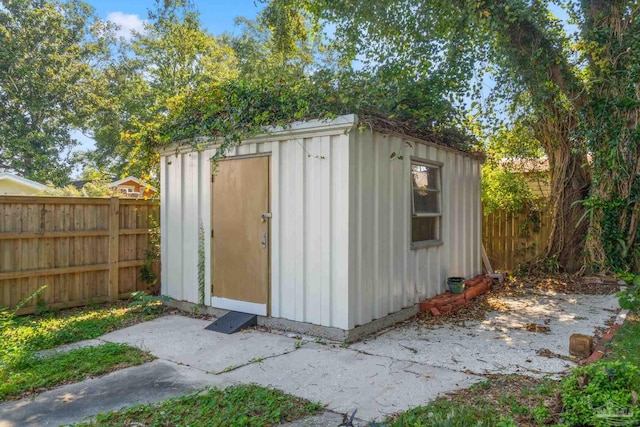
340, 227
185, 182
309, 260
309, 226
386, 274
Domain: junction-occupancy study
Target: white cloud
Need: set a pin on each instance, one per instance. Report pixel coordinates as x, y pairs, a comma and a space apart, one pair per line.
126, 23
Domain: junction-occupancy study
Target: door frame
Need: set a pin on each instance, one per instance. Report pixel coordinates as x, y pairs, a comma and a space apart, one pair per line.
230, 304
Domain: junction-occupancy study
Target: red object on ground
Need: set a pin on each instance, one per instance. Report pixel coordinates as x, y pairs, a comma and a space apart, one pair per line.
600, 349
447, 301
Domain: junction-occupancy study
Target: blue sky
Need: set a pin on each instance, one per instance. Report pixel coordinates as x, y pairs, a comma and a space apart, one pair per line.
216, 15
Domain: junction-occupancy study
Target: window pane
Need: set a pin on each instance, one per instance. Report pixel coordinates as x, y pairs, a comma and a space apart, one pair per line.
425, 201
424, 228
425, 177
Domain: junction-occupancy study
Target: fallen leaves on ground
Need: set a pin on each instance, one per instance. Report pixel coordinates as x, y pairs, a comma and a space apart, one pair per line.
520, 286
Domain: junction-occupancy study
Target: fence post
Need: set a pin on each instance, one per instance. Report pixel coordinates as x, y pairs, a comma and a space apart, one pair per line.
114, 247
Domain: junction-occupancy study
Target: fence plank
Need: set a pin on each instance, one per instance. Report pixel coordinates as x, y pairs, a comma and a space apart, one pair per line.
84, 250
514, 239
114, 244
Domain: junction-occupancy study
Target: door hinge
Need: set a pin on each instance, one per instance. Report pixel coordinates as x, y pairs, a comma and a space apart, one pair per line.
211, 178
212, 234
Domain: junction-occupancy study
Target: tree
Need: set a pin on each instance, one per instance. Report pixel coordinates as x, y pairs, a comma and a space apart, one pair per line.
562, 90
173, 55
609, 126
49, 55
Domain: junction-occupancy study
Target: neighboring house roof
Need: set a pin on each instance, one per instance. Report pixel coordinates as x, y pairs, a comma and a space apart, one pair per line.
9, 177
79, 184
131, 178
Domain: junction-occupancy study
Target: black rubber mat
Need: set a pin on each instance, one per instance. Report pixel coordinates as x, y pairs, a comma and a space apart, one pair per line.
233, 322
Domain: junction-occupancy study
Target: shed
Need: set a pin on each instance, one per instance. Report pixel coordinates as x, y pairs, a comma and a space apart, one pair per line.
325, 226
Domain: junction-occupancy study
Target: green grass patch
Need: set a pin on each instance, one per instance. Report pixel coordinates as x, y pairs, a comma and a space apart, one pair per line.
242, 405
34, 374
502, 401
625, 345
22, 337
444, 412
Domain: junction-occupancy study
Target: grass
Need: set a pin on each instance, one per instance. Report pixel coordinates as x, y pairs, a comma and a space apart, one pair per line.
502, 400
242, 405
33, 374
626, 342
22, 372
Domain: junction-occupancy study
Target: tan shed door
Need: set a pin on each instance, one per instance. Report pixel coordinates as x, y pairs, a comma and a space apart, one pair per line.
240, 247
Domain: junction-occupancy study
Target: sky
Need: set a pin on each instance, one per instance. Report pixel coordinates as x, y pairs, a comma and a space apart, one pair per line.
217, 16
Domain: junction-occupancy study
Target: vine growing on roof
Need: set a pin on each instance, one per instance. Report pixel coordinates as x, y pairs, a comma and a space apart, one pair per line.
232, 111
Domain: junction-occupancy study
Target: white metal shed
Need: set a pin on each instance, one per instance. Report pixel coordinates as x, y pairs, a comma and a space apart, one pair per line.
321, 223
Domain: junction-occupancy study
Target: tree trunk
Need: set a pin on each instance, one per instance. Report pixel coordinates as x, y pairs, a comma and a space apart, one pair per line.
569, 186
540, 59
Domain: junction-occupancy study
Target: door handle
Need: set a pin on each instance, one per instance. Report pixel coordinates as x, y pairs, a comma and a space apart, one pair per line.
264, 240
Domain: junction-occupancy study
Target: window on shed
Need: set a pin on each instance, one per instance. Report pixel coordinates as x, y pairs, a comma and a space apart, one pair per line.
425, 202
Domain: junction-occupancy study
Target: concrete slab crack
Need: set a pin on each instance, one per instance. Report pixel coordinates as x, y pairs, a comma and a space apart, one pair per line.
413, 362
250, 362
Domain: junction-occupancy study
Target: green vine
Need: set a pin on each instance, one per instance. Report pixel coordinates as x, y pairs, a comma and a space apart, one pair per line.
147, 275
609, 125
201, 264
232, 111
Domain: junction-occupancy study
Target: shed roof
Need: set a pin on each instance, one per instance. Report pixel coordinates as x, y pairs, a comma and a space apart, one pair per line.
447, 139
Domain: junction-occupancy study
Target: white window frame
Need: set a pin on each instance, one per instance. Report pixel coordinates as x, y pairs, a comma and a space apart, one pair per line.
415, 161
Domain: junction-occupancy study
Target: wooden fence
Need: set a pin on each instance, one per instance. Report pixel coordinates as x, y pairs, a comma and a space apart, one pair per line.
84, 250
513, 239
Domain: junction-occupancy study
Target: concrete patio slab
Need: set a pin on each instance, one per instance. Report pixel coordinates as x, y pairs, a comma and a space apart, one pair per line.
69, 347
184, 340
345, 380
151, 382
501, 344
404, 367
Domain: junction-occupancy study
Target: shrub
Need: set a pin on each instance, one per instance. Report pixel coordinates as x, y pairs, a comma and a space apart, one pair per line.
601, 394
630, 297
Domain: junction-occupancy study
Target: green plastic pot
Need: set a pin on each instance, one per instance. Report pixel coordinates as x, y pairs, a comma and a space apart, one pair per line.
455, 284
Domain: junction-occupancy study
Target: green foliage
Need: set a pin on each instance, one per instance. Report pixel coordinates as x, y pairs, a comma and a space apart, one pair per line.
630, 297
575, 93
34, 374
233, 111
514, 165
49, 83
601, 393
147, 274
201, 263
90, 189
624, 346
21, 336
8, 316
21, 371
239, 405
173, 55
446, 413
505, 190
609, 127
148, 304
